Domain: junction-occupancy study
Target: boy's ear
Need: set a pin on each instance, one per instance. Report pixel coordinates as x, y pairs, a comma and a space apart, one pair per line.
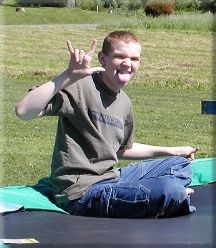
101, 58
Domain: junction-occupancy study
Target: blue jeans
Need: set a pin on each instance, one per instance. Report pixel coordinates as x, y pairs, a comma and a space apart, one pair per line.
153, 188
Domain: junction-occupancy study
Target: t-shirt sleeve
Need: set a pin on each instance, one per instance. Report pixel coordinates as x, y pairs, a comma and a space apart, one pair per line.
61, 104
56, 106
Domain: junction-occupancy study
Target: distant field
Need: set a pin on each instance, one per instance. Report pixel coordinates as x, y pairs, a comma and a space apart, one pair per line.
120, 19
170, 58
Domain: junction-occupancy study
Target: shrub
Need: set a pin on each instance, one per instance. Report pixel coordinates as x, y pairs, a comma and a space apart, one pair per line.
134, 5
97, 3
157, 8
109, 3
188, 5
45, 3
209, 5
89, 4
121, 3
85, 4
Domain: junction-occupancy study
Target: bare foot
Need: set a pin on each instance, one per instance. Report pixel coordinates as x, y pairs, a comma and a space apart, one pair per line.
189, 191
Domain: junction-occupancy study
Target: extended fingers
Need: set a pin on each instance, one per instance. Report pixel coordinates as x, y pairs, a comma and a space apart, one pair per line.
76, 52
70, 48
79, 55
92, 48
81, 60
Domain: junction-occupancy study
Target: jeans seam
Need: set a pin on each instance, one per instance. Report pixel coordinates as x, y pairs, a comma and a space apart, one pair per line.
156, 169
108, 201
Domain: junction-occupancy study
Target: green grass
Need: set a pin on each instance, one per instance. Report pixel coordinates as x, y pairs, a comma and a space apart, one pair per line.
48, 15
178, 21
175, 75
176, 59
164, 116
120, 19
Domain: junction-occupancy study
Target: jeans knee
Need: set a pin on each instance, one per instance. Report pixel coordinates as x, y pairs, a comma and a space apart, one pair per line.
171, 198
179, 159
182, 170
173, 193
167, 193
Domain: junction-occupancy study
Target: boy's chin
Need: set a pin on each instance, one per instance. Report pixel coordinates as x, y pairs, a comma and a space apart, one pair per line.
122, 83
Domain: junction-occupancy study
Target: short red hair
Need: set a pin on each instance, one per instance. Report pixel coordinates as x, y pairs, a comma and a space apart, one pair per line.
116, 36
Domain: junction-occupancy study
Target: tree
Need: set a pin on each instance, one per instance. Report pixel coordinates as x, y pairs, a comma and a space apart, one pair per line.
209, 5
134, 4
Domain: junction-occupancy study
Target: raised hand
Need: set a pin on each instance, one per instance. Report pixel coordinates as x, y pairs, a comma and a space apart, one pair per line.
33, 104
80, 61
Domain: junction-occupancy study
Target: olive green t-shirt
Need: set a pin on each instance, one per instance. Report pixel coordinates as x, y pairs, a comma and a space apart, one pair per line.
94, 124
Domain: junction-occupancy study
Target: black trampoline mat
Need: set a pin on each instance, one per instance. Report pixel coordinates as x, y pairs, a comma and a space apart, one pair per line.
53, 229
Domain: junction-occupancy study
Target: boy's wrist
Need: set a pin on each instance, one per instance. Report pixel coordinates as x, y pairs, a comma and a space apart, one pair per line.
63, 80
73, 77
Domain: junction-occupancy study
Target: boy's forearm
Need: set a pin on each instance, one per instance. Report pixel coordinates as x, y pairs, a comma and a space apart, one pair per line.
33, 104
142, 151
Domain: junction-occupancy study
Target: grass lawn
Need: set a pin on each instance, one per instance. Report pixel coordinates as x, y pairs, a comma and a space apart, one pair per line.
175, 75
119, 19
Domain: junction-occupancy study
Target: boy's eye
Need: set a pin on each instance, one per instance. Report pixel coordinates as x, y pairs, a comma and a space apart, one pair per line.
119, 57
136, 59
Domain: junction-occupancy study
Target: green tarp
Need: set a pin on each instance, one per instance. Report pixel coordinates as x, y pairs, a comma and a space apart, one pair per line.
15, 198
204, 171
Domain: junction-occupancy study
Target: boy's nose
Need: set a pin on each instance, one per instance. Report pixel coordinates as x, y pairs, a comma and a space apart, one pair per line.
127, 61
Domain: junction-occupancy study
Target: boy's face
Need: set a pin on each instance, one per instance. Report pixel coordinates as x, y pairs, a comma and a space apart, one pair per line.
121, 64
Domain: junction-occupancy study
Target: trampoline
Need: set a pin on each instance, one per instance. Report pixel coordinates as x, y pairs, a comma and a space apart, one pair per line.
52, 229
42, 221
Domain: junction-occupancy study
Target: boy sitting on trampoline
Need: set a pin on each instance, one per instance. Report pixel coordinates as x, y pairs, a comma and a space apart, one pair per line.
95, 129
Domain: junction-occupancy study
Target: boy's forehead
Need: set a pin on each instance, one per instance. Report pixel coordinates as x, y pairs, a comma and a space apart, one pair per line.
119, 43
122, 45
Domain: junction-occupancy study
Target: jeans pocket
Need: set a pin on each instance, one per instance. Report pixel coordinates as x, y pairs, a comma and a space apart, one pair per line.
128, 200
130, 192
94, 203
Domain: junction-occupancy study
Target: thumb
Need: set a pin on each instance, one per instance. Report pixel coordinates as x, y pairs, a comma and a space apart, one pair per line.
192, 155
97, 69
196, 149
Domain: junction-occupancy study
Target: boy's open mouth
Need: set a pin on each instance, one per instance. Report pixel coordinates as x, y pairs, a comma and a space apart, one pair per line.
124, 76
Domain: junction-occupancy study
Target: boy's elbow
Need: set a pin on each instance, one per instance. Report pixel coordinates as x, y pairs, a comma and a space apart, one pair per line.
27, 114
20, 113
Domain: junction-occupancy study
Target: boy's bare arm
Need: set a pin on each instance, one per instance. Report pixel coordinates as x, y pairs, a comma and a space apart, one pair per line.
142, 151
34, 103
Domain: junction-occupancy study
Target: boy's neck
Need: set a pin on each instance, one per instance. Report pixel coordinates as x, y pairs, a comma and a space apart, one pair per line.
107, 83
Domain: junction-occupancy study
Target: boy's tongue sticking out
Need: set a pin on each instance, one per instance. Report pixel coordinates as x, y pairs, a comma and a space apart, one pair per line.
124, 76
